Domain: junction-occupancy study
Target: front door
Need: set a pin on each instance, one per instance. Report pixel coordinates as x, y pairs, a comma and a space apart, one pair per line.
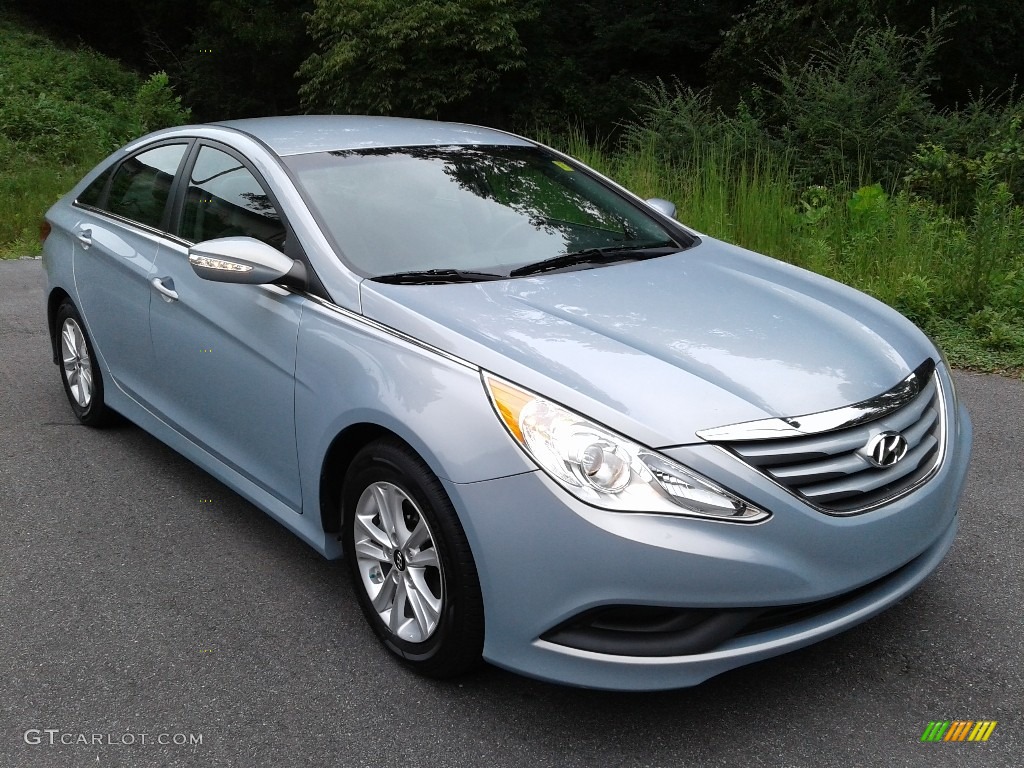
225, 353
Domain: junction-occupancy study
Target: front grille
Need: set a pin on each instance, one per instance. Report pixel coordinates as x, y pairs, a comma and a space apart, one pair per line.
831, 470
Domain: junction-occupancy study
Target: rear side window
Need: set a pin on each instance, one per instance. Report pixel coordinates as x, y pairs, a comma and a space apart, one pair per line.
142, 184
225, 200
93, 194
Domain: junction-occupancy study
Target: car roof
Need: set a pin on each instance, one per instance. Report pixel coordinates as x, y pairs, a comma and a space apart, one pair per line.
302, 134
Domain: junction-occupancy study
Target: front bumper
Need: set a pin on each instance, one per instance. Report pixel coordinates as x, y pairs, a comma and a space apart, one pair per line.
543, 558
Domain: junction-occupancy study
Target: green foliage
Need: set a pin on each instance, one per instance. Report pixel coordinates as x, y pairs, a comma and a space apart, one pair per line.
769, 31
61, 111
409, 57
983, 50
677, 123
589, 60
58, 104
868, 207
526, 61
857, 110
833, 156
156, 106
966, 150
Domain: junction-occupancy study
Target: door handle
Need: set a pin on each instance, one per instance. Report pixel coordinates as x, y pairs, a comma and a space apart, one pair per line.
84, 236
165, 290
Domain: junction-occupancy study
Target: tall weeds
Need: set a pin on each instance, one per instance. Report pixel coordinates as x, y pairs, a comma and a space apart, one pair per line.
961, 279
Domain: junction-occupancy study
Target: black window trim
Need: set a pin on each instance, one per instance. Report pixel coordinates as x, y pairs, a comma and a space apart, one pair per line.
100, 208
180, 187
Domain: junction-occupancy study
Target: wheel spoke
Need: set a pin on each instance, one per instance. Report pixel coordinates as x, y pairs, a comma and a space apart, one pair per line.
419, 536
425, 611
365, 522
67, 339
370, 550
398, 608
75, 384
423, 559
387, 501
386, 595
418, 579
85, 385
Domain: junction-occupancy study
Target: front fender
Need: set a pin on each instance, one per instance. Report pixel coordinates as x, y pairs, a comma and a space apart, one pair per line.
352, 372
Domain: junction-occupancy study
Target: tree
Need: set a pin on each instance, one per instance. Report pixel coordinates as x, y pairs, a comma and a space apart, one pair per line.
981, 54
859, 107
241, 59
427, 58
589, 60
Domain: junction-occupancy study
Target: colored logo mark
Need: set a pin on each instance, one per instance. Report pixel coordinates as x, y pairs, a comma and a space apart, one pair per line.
958, 730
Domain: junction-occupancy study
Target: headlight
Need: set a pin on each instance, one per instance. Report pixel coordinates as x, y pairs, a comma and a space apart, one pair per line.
605, 469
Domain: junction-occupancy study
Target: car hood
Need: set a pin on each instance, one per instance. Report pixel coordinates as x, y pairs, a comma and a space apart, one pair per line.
660, 349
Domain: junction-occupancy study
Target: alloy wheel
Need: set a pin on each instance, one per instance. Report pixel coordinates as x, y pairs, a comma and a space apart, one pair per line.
76, 362
398, 562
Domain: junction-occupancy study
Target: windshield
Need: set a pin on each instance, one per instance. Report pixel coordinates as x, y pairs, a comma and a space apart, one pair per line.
483, 209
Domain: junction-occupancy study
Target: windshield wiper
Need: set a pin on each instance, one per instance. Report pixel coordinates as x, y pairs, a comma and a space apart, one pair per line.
596, 256
436, 276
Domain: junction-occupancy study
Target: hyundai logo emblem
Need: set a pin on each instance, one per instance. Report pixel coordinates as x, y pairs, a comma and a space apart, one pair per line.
886, 449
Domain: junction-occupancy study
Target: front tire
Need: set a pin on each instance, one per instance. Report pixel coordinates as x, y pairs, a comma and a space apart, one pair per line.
410, 561
80, 373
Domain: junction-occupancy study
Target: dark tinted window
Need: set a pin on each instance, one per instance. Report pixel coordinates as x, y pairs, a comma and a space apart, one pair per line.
92, 194
140, 188
225, 200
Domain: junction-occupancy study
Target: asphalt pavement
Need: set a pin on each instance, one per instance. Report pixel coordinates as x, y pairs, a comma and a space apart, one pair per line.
151, 617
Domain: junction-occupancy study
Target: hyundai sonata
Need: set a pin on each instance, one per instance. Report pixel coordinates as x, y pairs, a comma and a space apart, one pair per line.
547, 425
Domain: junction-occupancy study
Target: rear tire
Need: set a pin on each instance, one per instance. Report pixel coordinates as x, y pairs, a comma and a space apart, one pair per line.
411, 565
80, 373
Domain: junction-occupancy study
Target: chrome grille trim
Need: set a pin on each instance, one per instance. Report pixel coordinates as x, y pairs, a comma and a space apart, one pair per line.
830, 470
826, 421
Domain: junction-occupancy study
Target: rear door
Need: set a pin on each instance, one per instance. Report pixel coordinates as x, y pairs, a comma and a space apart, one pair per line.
122, 220
226, 353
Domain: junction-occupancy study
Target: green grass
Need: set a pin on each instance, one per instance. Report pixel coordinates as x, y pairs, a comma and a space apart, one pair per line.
961, 280
25, 194
61, 111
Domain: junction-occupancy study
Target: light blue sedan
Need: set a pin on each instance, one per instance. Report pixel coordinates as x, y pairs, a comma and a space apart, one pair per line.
547, 425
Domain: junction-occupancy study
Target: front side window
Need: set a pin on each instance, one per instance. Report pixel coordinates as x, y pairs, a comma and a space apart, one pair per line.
142, 184
225, 200
485, 208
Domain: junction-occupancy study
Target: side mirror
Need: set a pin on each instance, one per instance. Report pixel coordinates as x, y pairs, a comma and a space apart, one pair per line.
242, 260
666, 207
